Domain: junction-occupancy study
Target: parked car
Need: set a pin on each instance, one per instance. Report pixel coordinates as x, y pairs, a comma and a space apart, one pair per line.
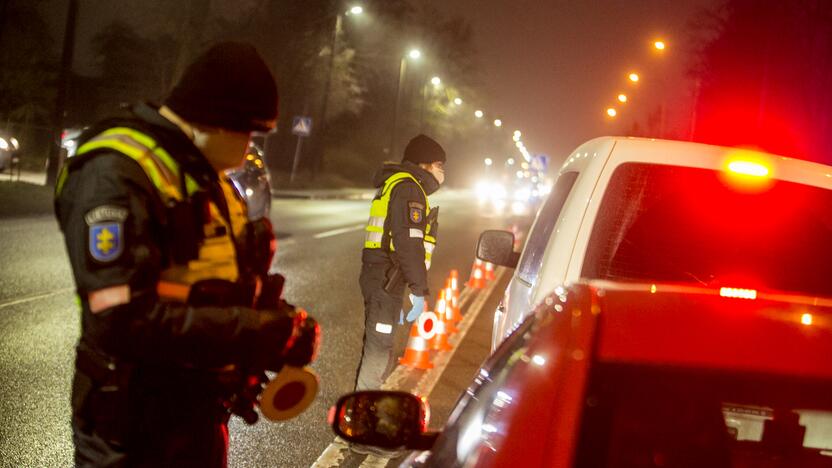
653, 210
629, 374
8, 147
253, 182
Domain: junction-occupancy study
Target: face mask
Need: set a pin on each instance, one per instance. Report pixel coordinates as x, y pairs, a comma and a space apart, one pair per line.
438, 173
224, 150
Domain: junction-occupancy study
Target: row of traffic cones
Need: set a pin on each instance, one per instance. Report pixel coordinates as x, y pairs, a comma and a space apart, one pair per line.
433, 328
481, 273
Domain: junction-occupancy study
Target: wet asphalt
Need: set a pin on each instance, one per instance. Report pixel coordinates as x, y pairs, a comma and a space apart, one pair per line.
319, 252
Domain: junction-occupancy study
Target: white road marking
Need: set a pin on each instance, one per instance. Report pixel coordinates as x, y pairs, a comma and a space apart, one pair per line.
338, 449
35, 297
336, 232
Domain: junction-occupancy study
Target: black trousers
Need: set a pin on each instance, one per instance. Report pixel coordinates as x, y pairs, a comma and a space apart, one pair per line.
153, 427
383, 336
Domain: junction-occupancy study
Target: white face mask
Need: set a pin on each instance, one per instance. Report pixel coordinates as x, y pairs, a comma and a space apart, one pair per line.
438, 172
223, 149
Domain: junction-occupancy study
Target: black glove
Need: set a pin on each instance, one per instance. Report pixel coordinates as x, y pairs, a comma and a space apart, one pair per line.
287, 336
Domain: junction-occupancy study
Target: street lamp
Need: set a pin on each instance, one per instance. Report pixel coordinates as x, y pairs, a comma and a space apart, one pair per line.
488, 161
611, 112
634, 77
339, 19
659, 45
498, 123
478, 114
458, 101
436, 81
622, 98
510, 161
413, 54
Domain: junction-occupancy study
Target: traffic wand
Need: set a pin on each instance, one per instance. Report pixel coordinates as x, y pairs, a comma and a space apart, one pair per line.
289, 393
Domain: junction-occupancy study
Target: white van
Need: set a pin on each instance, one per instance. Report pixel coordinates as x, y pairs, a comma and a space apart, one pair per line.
645, 210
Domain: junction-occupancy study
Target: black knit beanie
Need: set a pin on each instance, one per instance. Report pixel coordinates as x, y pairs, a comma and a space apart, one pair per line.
230, 87
423, 150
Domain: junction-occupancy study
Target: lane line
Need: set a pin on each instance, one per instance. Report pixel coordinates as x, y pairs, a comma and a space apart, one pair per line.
338, 449
335, 232
35, 297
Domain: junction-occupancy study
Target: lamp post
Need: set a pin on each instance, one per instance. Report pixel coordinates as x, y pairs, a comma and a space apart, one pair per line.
414, 54
333, 50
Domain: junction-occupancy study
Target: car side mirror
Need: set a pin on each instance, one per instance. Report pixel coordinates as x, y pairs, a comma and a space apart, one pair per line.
385, 419
497, 247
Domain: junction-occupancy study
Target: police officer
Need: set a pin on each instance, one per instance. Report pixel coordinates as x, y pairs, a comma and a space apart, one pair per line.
399, 241
179, 315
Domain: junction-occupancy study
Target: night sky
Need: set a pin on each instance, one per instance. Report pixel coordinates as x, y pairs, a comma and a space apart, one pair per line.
550, 68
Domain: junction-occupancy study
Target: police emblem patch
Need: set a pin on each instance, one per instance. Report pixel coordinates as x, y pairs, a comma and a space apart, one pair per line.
415, 215
106, 241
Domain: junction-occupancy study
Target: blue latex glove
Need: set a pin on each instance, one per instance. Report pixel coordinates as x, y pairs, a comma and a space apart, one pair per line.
417, 309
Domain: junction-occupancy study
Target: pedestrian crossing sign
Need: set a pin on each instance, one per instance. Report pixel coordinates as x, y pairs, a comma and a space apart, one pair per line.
302, 126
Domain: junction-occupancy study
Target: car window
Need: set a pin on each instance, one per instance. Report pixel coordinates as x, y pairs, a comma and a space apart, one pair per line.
680, 224
546, 219
639, 417
471, 422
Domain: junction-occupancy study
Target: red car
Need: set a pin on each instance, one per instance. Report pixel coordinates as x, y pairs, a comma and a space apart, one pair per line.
613, 374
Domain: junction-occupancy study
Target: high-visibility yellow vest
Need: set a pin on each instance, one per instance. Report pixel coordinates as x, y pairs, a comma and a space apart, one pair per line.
217, 254
375, 231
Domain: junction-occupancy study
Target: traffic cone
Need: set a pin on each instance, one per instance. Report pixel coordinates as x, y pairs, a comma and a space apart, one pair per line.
454, 277
440, 340
452, 304
417, 353
477, 281
489, 271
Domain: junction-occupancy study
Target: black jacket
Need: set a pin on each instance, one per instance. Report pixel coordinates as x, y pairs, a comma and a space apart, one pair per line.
410, 250
147, 330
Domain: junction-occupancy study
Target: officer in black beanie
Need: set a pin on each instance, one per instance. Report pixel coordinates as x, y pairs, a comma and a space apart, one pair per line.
171, 276
398, 245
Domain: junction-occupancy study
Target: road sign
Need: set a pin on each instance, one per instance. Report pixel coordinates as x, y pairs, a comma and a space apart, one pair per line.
302, 126
540, 162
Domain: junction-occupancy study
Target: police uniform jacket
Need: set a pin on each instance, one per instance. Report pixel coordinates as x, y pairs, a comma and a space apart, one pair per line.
406, 223
123, 274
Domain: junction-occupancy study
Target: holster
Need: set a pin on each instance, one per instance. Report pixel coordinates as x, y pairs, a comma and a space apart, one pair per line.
100, 395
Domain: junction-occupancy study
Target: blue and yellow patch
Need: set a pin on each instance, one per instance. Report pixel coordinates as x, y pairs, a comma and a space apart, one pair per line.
106, 241
416, 215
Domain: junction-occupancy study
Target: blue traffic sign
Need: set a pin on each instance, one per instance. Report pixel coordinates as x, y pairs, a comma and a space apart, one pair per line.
302, 126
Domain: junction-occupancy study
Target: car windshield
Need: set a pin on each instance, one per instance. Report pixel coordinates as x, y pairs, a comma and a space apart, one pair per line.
678, 224
640, 417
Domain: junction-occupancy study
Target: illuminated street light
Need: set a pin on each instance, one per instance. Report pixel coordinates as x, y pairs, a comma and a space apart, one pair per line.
633, 77
478, 114
415, 54
622, 98
498, 123
488, 161
611, 112
510, 161
659, 45
517, 133
516, 137
518, 144
435, 81
356, 10
458, 101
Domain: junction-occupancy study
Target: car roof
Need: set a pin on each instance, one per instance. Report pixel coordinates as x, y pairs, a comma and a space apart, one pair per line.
698, 327
620, 150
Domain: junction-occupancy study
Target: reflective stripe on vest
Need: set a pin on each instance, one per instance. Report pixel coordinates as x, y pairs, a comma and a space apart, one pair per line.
217, 254
374, 235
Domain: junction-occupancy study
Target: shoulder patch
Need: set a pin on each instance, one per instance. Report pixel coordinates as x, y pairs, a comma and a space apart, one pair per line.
416, 215
106, 241
105, 213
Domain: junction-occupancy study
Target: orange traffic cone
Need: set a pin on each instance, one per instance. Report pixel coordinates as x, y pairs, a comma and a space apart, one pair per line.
452, 304
489, 271
454, 278
417, 353
476, 281
440, 340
